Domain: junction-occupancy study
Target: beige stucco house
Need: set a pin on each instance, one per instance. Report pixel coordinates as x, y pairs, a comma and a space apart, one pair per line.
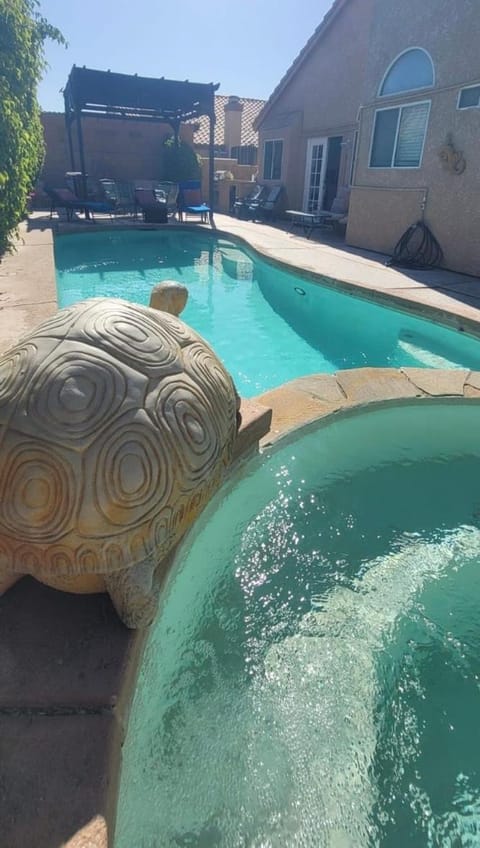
383, 104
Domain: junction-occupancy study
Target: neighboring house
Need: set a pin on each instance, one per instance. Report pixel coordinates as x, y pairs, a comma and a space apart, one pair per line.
405, 78
235, 136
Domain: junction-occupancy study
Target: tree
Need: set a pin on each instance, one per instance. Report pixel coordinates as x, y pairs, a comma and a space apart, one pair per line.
179, 162
22, 35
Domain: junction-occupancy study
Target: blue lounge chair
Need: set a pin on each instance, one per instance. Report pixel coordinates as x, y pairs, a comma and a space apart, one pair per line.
66, 199
189, 201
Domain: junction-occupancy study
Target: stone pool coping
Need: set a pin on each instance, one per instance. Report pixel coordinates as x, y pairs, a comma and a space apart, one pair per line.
311, 398
68, 666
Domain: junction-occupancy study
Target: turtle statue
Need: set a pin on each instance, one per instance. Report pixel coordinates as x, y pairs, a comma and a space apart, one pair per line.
117, 422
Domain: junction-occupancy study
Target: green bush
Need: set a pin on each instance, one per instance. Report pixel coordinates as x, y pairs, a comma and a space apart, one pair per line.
22, 35
179, 163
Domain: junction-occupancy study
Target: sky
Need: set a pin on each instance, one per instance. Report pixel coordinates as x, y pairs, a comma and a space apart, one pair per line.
245, 46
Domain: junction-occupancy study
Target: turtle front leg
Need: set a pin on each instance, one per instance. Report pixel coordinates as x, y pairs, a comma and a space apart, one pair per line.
133, 594
8, 579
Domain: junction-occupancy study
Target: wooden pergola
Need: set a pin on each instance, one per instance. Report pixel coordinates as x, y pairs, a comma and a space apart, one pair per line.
104, 94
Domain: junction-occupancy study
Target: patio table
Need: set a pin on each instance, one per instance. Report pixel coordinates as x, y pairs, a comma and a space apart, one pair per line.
307, 220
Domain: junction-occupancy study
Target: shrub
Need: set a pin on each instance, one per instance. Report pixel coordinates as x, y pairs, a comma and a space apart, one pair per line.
22, 35
179, 163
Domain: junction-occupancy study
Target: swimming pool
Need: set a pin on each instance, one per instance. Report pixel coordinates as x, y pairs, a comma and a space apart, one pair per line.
313, 675
266, 324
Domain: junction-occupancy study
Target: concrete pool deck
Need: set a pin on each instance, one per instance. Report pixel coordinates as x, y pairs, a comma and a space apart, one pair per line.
68, 666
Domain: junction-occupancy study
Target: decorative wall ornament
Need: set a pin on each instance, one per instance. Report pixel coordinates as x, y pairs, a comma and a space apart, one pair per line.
451, 159
117, 423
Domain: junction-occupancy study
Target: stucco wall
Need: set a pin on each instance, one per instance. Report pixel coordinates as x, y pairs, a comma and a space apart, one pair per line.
323, 96
121, 150
450, 32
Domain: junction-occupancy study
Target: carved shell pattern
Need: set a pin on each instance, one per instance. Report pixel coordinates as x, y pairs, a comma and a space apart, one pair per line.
116, 424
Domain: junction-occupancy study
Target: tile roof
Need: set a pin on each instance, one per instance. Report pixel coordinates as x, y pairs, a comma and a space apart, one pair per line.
251, 109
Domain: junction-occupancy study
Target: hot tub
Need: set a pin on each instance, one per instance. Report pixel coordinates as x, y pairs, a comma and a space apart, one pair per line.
313, 675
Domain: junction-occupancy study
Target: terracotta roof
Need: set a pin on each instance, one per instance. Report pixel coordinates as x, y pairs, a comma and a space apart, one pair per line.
336, 7
251, 109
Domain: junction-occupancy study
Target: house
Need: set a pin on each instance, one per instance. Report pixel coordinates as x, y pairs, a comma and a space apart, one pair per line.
235, 136
383, 103
307, 128
236, 148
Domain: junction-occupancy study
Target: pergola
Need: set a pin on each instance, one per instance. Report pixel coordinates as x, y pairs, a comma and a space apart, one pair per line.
104, 94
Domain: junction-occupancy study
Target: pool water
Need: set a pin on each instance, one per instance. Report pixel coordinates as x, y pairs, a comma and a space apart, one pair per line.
266, 324
313, 677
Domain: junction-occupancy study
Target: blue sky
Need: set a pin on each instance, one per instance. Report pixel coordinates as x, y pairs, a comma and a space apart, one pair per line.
246, 46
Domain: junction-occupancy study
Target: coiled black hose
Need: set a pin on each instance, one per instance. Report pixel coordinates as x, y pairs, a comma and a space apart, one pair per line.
417, 248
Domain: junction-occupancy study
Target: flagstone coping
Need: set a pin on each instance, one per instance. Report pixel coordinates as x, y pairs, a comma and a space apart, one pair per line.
308, 398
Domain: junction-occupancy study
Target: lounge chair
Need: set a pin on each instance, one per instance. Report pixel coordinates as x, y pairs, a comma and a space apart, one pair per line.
154, 209
63, 198
120, 195
242, 205
189, 201
266, 210
168, 193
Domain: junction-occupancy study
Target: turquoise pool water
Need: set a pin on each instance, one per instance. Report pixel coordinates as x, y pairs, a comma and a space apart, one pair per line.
313, 677
267, 325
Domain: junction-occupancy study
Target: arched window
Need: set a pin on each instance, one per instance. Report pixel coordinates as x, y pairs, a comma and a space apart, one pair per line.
411, 70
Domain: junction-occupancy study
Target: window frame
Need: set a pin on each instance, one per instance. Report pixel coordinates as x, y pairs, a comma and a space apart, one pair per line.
354, 157
406, 90
392, 166
272, 141
464, 88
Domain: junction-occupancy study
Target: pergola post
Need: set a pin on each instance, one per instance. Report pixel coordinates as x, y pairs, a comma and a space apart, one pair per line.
68, 127
211, 165
78, 115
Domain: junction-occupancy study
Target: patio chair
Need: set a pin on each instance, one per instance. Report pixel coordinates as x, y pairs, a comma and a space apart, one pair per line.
64, 198
120, 195
266, 210
168, 193
189, 201
242, 205
153, 208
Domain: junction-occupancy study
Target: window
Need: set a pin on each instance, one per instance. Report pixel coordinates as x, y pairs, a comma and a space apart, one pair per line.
469, 97
411, 70
272, 160
398, 136
245, 155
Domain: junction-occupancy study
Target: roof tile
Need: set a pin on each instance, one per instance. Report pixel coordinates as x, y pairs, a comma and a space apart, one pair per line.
251, 108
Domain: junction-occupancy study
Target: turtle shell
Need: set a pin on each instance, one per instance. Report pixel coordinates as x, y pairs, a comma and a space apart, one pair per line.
116, 424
